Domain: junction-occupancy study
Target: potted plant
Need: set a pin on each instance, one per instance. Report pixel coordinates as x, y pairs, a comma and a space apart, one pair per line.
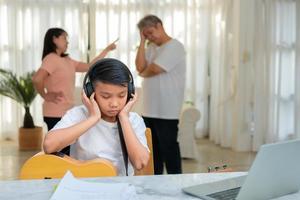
22, 91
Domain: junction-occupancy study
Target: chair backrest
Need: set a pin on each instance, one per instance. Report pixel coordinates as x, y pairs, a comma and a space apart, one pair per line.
149, 169
47, 166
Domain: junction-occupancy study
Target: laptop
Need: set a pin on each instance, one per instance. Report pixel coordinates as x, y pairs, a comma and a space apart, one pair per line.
275, 172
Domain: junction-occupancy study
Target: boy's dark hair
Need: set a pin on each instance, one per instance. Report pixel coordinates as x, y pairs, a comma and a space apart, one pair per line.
108, 70
148, 21
49, 45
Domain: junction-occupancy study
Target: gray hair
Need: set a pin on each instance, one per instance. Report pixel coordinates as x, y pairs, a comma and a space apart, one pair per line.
148, 21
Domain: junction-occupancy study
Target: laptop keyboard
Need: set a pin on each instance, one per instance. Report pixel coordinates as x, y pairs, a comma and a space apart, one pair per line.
226, 194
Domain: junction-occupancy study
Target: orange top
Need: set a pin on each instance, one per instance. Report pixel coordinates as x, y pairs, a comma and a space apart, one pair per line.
61, 79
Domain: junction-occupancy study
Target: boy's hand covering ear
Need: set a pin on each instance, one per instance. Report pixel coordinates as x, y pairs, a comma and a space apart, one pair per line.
127, 108
91, 105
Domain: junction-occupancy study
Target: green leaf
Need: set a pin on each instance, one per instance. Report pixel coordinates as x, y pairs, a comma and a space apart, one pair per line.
20, 89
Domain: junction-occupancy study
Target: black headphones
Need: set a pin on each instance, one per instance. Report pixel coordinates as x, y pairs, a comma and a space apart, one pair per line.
101, 66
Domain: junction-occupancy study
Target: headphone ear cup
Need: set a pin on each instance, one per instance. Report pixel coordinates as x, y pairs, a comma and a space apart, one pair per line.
130, 90
88, 89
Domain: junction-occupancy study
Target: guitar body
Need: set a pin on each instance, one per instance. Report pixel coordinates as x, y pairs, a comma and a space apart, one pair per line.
48, 166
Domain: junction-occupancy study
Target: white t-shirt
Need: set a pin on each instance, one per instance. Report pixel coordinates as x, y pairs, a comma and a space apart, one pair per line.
102, 140
163, 94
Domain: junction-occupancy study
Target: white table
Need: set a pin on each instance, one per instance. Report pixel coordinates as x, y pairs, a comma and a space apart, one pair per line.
160, 187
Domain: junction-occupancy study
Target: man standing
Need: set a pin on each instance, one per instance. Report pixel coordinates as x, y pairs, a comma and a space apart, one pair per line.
162, 65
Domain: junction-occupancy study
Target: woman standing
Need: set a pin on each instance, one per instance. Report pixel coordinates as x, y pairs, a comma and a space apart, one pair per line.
55, 79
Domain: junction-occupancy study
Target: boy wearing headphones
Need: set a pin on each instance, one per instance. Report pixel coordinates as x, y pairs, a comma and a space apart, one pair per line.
92, 129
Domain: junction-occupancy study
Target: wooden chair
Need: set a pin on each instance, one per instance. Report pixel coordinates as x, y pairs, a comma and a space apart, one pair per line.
47, 166
149, 169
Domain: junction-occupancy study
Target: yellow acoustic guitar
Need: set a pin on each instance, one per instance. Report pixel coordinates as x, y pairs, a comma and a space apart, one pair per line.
47, 166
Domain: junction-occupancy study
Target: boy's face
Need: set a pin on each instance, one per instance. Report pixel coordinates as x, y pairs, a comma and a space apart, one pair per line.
111, 99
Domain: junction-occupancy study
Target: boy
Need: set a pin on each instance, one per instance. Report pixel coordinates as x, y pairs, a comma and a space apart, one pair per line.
92, 128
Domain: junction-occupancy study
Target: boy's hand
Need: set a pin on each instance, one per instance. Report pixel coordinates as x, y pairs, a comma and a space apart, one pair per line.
127, 108
91, 105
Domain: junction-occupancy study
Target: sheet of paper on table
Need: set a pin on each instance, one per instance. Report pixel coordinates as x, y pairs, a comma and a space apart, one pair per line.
75, 189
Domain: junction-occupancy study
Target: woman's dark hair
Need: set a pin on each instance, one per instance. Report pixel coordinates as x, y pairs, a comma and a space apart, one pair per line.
49, 45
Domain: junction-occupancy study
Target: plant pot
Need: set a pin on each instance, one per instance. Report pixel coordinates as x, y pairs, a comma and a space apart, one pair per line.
30, 138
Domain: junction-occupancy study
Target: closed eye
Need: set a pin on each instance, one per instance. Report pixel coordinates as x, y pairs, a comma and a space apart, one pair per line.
105, 97
122, 95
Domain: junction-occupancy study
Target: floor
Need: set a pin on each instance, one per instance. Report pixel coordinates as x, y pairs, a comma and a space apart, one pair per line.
210, 155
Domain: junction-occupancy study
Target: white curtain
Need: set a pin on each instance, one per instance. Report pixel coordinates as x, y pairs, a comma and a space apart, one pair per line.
254, 99
187, 21
91, 25
275, 107
297, 72
23, 24
246, 53
222, 72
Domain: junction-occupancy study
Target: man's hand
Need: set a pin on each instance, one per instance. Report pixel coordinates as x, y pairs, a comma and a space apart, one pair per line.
127, 108
91, 105
140, 60
142, 36
54, 97
152, 70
